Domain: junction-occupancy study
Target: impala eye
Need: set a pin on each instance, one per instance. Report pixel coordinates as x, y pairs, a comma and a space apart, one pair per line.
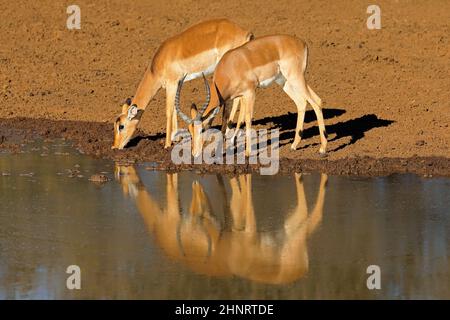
121, 126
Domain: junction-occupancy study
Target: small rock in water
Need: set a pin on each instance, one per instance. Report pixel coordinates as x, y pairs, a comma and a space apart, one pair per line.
30, 174
99, 178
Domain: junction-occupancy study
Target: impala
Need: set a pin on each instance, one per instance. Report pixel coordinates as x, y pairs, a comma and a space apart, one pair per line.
195, 51
279, 58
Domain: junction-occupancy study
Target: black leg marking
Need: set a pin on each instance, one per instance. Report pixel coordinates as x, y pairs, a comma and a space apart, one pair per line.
300, 134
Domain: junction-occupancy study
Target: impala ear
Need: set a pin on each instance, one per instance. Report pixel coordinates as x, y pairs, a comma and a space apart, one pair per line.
125, 108
134, 113
126, 105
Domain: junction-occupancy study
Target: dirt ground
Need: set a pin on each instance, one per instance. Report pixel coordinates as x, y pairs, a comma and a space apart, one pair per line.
386, 92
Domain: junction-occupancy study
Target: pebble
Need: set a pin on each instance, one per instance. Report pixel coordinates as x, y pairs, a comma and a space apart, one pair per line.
30, 174
99, 178
420, 143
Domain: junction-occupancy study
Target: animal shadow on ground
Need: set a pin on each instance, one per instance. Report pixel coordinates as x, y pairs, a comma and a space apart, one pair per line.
286, 123
354, 128
289, 121
141, 136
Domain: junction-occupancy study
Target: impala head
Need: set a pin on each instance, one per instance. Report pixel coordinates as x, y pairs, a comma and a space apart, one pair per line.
198, 119
126, 124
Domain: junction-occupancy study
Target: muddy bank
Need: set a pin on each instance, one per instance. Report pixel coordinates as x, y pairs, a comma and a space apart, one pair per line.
95, 139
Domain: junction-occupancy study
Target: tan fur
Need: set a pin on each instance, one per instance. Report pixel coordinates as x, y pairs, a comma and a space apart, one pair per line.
280, 58
194, 50
196, 239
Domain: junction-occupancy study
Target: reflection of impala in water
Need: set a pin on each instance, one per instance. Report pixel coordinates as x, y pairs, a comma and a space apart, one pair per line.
197, 240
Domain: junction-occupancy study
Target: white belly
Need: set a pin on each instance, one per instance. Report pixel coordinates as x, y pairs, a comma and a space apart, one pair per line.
278, 78
206, 72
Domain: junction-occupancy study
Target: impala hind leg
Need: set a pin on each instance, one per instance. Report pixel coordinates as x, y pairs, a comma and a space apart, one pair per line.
314, 96
300, 102
299, 86
171, 91
316, 104
322, 131
295, 86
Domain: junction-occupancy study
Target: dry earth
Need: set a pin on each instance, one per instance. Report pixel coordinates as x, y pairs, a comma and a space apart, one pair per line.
386, 92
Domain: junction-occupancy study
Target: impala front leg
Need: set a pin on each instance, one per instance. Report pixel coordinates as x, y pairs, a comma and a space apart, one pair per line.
175, 127
248, 103
236, 102
170, 110
239, 123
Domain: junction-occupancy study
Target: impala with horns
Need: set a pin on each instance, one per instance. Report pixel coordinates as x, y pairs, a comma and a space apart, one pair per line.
195, 51
279, 58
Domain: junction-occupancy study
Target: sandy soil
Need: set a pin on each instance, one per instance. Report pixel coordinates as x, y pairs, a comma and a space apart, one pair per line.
386, 92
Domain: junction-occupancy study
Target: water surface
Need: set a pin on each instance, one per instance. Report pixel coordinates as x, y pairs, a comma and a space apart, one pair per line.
155, 235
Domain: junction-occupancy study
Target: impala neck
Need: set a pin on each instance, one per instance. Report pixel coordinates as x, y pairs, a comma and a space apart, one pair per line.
147, 88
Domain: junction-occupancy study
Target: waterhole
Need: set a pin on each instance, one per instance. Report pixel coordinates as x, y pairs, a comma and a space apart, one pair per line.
138, 233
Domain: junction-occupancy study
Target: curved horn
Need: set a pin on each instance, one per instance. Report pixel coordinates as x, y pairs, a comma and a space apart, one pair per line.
208, 98
177, 102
